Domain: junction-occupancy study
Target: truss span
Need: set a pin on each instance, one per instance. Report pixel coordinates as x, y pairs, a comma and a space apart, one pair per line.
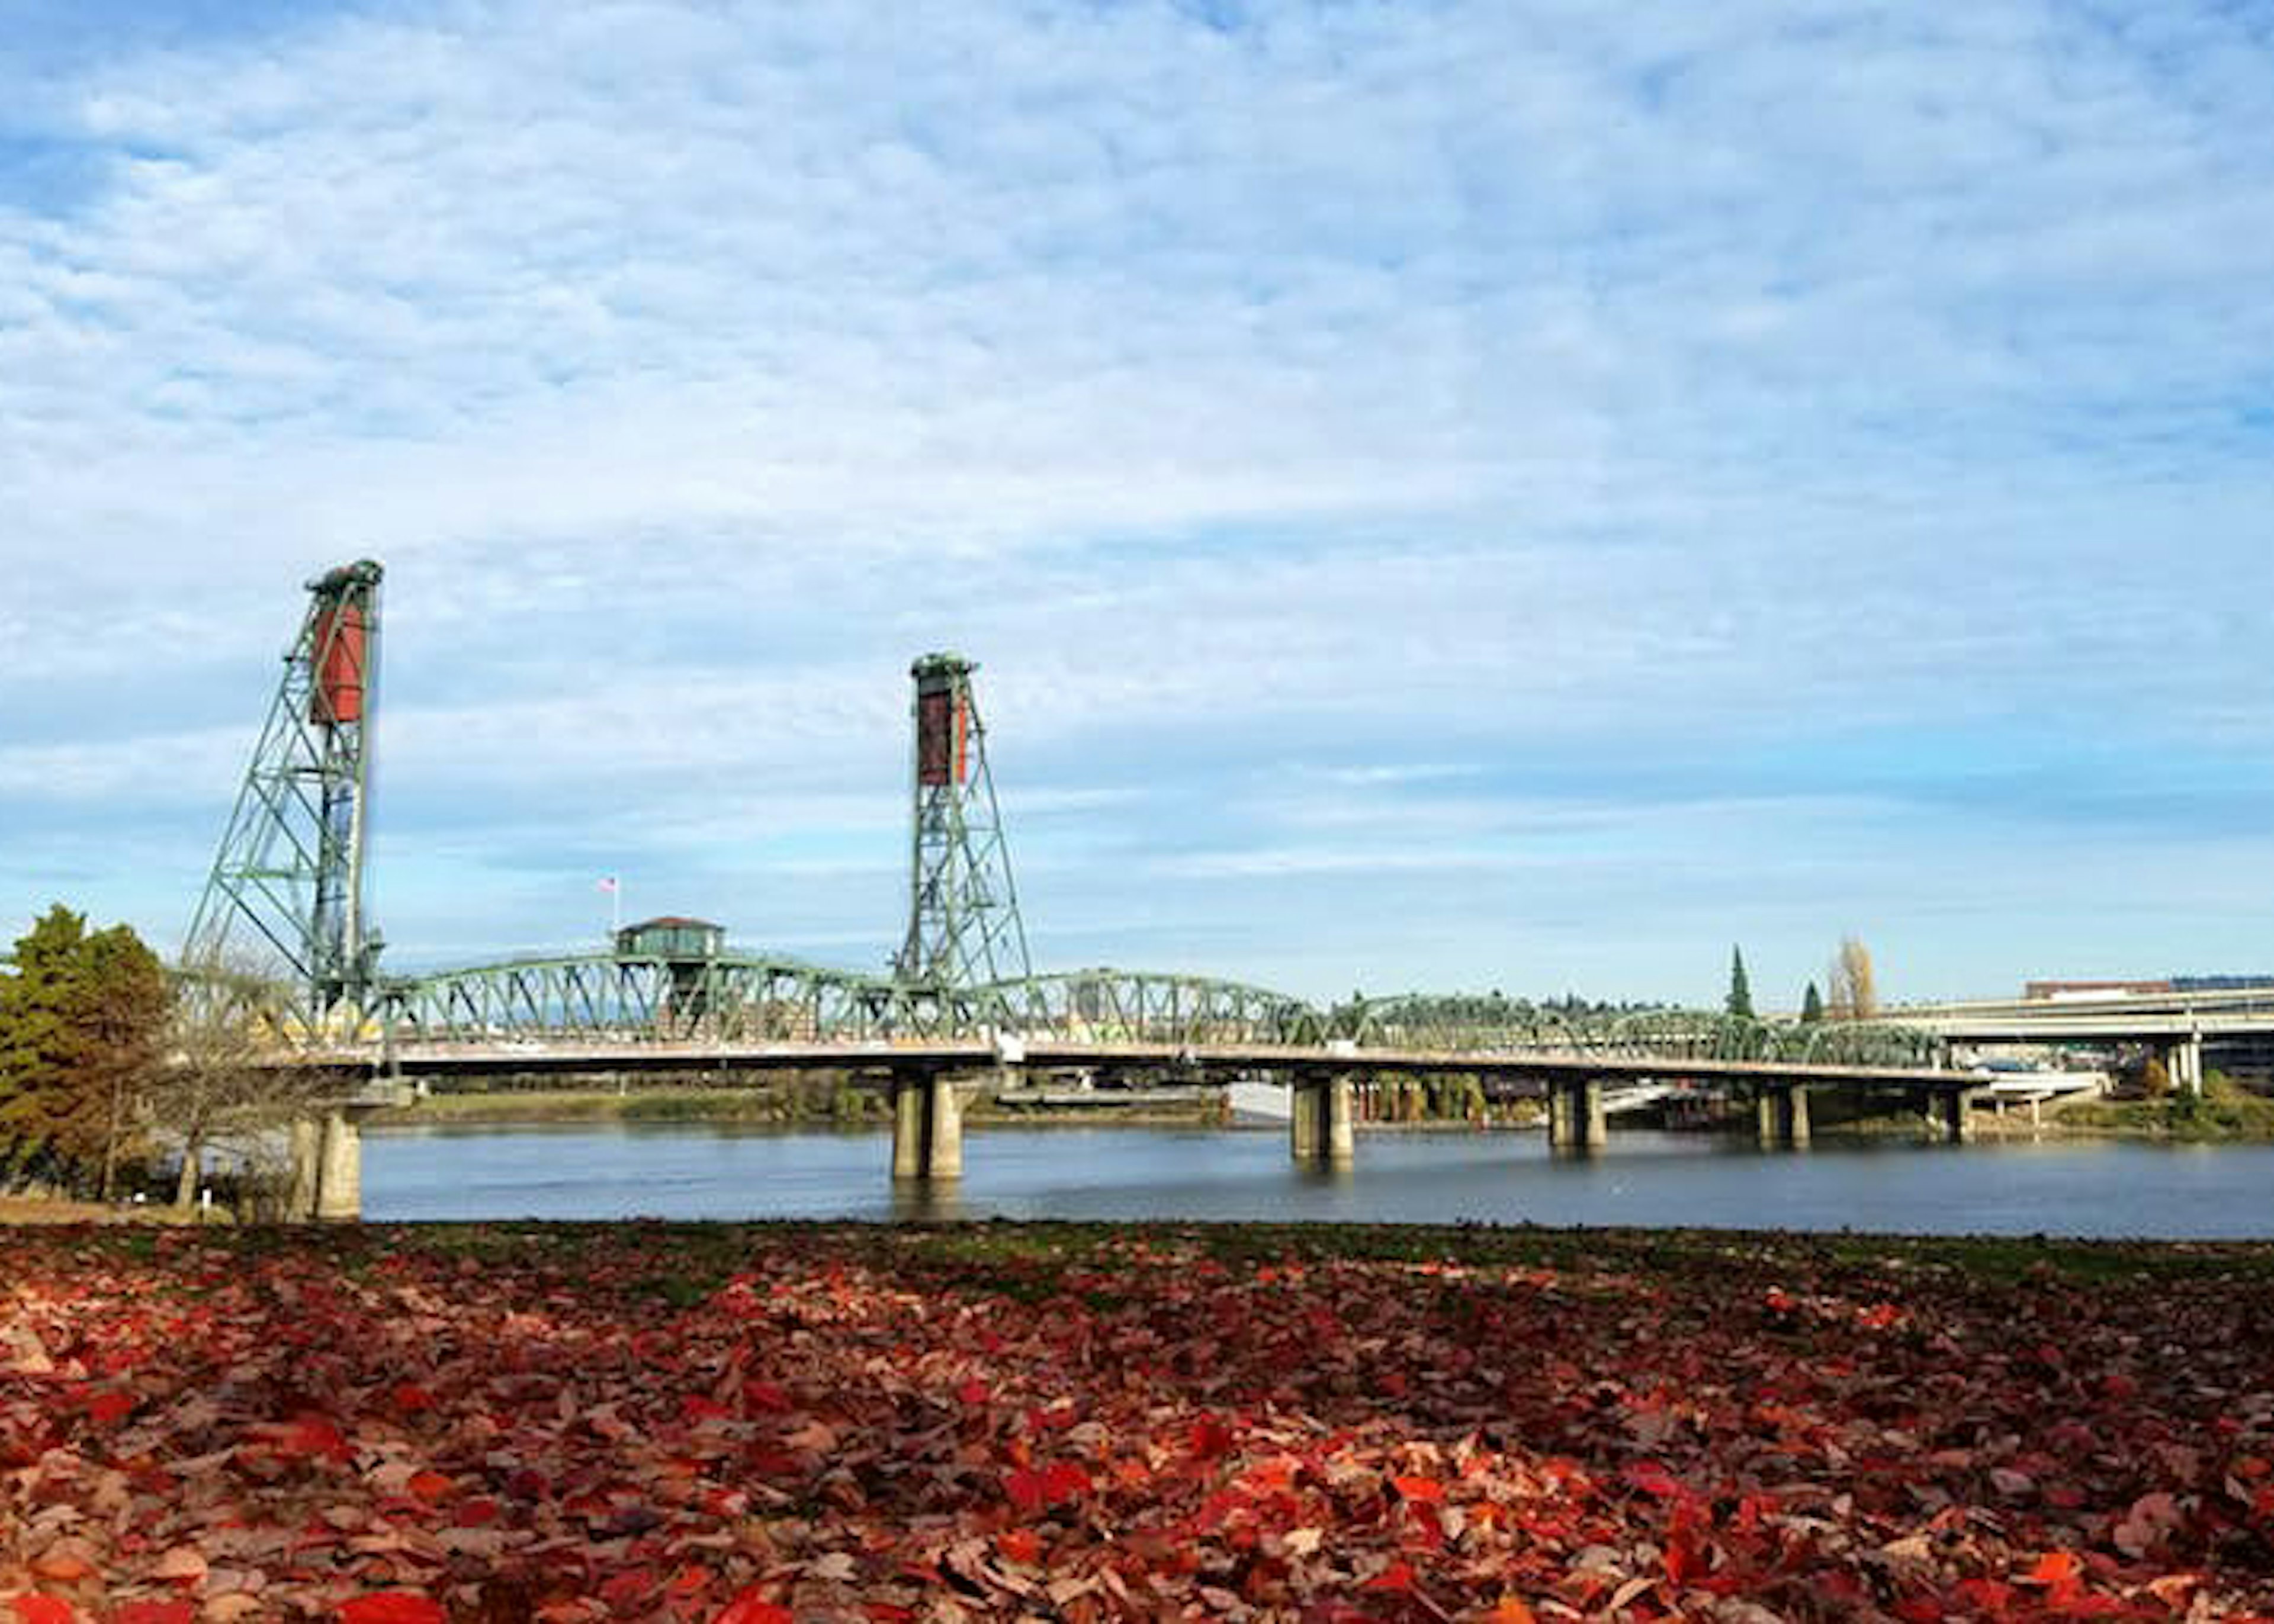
630, 999
1135, 1006
1491, 1025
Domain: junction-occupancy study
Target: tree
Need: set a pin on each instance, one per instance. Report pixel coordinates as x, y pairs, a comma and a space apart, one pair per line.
80, 1025
1740, 1001
218, 1089
1855, 994
1812, 1007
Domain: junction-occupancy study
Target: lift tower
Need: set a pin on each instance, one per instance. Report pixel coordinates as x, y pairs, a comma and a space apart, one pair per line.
287, 884
964, 929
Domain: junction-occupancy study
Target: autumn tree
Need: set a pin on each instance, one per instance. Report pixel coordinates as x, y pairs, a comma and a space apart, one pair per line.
219, 1088
80, 1026
1855, 995
1740, 1001
1811, 1006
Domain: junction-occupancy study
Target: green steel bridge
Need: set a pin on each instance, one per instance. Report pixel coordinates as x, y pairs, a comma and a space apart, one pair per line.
282, 937
731, 1001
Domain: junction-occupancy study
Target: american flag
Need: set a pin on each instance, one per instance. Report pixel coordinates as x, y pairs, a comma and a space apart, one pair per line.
608, 884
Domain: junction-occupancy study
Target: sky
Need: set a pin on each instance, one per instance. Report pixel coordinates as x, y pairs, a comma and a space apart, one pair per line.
1443, 495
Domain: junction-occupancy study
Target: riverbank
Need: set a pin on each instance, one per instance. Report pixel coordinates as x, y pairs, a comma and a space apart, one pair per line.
770, 1422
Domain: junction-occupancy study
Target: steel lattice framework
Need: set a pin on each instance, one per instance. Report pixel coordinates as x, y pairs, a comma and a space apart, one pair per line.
734, 999
1106, 1005
286, 890
964, 929
1493, 1025
287, 887
635, 998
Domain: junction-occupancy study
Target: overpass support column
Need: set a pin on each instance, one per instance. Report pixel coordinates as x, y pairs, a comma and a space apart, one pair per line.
1320, 1128
2187, 1064
1576, 1118
927, 1126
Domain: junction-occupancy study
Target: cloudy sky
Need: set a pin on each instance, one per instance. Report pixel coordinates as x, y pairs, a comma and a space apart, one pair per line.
1444, 494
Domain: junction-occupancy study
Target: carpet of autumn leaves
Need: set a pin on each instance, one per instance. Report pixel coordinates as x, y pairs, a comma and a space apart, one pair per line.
739, 1424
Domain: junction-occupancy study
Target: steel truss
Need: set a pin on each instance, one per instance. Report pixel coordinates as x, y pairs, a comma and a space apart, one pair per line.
285, 896
1504, 1026
1132, 1006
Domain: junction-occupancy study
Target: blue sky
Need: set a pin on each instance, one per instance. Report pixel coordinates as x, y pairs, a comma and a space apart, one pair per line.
1453, 495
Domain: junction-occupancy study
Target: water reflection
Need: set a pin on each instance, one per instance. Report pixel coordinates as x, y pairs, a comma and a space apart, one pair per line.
698, 1172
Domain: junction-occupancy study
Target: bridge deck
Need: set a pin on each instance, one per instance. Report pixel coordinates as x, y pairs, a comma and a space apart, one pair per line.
880, 1060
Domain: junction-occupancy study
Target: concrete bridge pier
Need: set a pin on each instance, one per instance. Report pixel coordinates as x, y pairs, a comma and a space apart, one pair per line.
327, 1175
1952, 1107
1321, 1126
1576, 1118
927, 1126
1782, 1113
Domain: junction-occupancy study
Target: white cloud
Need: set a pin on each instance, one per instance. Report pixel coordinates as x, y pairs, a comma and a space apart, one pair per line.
1363, 389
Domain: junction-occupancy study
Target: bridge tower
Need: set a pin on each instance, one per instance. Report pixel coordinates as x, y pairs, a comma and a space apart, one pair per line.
964, 928
287, 883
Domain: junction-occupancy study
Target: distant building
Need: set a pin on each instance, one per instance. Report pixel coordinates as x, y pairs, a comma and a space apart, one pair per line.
2077, 992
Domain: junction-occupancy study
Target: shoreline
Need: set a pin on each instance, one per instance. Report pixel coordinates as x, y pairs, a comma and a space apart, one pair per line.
2214, 1123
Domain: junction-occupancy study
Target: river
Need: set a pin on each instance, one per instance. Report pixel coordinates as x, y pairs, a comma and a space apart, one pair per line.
2058, 1187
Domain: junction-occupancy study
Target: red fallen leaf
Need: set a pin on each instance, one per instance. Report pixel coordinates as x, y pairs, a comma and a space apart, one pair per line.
392, 1607
1396, 1576
1652, 1479
620, 1590
765, 1395
430, 1487
1510, 1610
111, 1408
1210, 1438
1031, 1491
155, 1613
411, 1396
308, 1435
2053, 1569
1419, 1488
1779, 1300
41, 1610
973, 1393
1019, 1544
750, 1607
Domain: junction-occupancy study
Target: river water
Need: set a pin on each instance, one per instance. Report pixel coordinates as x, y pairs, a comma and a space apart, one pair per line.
2061, 1187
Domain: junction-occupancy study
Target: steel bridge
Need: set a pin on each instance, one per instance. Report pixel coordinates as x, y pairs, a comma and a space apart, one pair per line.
284, 913
733, 1001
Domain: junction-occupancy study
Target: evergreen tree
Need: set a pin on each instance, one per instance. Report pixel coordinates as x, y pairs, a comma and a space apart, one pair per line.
1812, 1007
80, 1023
1741, 991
